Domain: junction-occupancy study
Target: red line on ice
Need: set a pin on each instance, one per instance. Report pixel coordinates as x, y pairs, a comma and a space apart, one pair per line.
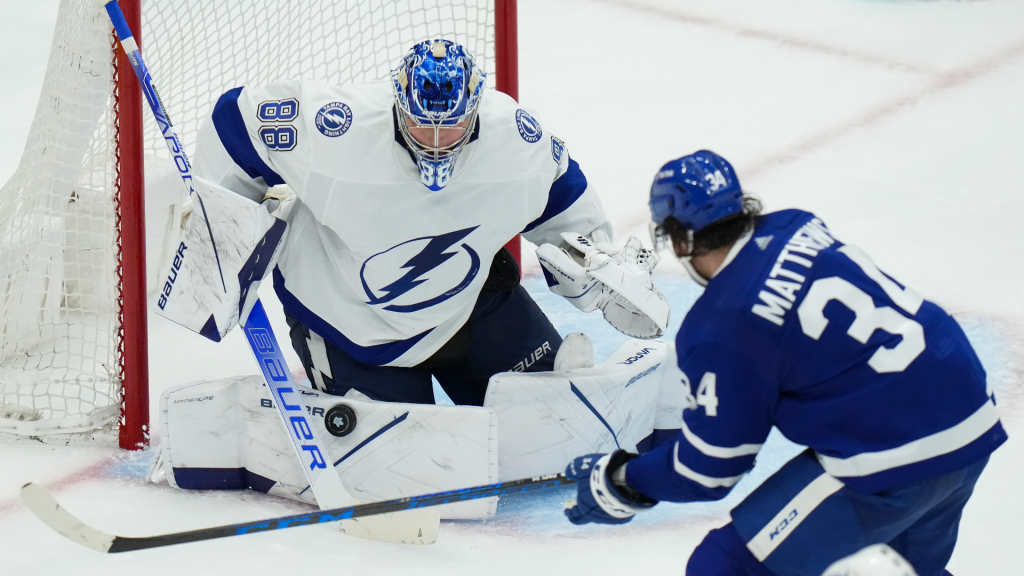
774, 38
87, 473
876, 115
882, 112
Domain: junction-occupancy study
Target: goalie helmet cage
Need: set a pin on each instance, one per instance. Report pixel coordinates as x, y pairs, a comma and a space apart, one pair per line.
73, 320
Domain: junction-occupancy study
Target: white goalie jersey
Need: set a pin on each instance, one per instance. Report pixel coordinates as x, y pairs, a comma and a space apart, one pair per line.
373, 261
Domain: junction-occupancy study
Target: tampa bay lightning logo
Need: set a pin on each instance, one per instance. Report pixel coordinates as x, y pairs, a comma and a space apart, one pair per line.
334, 119
528, 126
385, 282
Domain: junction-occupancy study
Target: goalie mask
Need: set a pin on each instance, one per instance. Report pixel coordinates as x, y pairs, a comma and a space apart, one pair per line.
437, 88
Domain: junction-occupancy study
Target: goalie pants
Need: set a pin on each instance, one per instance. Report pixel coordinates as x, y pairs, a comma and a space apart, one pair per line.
506, 331
802, 533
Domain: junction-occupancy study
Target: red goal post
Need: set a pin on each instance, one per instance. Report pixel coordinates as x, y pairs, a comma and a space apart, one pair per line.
74, 283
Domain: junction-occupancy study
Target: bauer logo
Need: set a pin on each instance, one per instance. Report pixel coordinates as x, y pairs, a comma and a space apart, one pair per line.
557, 148
528, 126
334, 119
172, 277
421, 272
532, 359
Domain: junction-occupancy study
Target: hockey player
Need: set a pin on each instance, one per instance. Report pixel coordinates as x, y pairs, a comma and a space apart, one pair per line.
405, 192
797, 330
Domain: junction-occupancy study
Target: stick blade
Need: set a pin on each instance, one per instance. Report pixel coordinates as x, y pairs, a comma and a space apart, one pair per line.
43, 505
418, 526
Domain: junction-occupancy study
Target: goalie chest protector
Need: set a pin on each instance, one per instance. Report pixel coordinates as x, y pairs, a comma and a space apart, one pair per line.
374, 261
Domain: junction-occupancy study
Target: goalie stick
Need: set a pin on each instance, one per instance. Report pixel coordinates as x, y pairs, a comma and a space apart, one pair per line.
414, 527
46, 508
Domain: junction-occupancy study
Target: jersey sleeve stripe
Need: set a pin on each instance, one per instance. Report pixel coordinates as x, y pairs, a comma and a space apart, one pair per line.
234, 136
944, 442
565, 190
703, 480
769, 537
718, 451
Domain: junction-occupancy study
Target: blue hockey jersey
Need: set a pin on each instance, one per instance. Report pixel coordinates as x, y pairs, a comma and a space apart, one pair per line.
800, 331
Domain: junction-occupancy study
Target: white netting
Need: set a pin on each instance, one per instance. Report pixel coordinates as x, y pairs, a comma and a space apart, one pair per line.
58, 301
58, 284
229, 43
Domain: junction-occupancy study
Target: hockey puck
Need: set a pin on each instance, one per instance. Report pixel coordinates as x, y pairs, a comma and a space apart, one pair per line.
340, 420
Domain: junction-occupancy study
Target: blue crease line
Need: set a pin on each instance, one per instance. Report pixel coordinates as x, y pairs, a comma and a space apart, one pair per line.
587, 403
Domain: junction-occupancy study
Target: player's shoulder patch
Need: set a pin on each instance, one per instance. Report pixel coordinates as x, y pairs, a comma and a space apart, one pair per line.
529, 127
557, 149
334, 119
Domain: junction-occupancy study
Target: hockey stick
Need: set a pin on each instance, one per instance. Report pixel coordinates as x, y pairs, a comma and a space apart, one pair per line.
43, 505
418, 528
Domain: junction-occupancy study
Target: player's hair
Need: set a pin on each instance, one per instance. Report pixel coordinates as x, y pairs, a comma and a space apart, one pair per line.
717, 234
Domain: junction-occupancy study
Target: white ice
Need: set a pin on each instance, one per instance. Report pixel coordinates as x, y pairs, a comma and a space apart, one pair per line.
900, 123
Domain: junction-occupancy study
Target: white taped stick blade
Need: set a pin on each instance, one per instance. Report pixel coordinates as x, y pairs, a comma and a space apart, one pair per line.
39, 501
407, 527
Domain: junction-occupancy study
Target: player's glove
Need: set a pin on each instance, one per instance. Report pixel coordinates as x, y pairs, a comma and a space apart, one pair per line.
615, 281
602, 495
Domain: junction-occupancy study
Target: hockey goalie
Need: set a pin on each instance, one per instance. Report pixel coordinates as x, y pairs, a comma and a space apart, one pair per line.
380, 211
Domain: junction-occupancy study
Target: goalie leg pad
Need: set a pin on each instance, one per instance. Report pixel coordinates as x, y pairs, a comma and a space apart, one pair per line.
548, 418
226, 434
673, 397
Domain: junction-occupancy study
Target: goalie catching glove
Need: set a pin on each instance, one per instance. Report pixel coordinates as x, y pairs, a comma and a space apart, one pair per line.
615, 281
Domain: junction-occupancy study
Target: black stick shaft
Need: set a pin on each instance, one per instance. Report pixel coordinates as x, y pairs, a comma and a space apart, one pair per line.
122, 544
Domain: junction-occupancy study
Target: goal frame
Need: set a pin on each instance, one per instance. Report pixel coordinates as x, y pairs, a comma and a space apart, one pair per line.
133, 343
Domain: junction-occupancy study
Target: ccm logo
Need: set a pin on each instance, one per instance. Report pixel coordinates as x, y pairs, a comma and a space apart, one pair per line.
784, 524
169, 284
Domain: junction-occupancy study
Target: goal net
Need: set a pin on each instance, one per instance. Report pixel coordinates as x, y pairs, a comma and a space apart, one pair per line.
63, 366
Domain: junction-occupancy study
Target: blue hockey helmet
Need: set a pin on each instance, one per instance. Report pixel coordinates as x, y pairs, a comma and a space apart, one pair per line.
438, 86
696, 190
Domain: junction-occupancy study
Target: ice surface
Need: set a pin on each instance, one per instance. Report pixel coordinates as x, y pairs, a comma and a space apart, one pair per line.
898, 122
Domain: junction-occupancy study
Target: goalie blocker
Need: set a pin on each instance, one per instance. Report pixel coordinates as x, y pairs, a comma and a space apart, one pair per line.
225, 434
220, 260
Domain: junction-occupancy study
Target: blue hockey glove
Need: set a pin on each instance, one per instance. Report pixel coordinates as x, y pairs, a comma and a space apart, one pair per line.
603, 496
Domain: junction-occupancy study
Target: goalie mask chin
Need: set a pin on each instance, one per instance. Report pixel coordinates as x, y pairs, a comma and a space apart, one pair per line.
437, 88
